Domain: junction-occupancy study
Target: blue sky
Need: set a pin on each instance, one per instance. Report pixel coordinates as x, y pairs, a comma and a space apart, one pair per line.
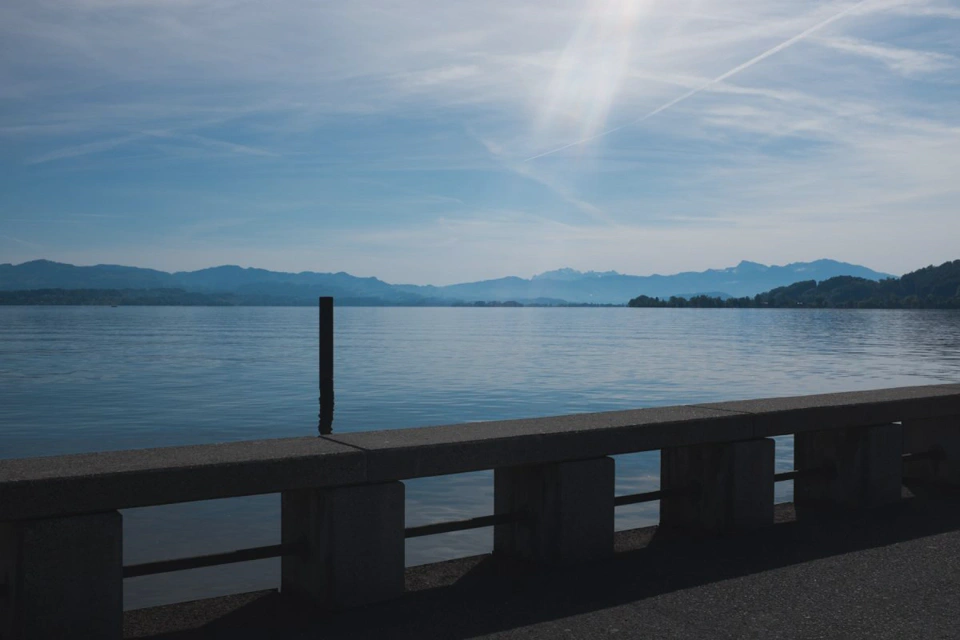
436, 142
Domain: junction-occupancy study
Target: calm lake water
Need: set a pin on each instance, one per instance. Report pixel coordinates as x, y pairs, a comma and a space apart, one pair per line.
76, 379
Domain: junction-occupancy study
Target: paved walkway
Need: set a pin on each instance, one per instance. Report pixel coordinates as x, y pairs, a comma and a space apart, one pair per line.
891, 573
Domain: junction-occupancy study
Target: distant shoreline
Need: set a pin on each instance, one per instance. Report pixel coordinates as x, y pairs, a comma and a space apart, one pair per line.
181, 298
282, 305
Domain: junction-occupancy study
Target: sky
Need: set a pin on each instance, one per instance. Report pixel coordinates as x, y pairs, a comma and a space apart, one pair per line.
440, 142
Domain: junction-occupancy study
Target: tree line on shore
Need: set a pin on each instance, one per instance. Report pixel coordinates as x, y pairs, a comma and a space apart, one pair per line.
927, 288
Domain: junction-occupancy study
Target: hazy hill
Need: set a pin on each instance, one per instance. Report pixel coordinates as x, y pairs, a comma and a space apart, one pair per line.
927, 288
930, 287
609, 287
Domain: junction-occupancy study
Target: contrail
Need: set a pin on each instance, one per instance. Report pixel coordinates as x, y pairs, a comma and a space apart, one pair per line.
746, 65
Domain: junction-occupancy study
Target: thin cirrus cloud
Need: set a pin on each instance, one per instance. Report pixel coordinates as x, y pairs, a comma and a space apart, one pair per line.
112, 143
485, 139
901, 60
789, 42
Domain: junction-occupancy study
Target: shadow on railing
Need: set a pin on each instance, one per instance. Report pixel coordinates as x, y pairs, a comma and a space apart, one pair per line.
343, 500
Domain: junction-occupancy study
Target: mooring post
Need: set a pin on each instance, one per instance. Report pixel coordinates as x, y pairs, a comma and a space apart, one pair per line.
325, 425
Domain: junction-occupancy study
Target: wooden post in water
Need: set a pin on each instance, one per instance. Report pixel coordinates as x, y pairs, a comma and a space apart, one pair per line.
325, 425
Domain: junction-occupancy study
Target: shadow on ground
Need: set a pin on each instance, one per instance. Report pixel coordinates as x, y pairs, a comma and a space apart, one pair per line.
478, 596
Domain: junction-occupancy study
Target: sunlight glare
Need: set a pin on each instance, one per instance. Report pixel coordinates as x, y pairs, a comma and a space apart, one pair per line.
590, 71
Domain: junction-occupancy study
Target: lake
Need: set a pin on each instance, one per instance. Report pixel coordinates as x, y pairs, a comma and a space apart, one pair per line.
75, 379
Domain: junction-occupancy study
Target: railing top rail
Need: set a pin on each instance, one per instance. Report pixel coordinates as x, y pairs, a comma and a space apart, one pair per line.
428, 451
92, 482
85, 483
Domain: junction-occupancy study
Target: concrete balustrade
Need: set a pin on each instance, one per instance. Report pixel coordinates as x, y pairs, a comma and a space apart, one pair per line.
60, 532
941, 436
354, 546
565, 511
855, 467
63, 577
717, 488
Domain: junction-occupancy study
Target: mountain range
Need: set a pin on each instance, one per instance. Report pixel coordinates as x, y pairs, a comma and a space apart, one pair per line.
553, 287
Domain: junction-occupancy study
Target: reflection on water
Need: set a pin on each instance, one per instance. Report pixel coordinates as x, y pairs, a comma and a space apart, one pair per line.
92, 378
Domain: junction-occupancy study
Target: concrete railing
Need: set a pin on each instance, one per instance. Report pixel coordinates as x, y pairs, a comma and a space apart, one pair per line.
61, 565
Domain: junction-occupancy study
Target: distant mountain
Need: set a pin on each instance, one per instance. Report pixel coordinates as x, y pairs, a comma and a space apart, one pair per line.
745, 279
44, 274
570, 285
260, 284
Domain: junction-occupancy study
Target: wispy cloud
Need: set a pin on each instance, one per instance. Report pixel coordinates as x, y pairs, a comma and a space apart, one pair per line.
21, 242
702, 125
899, 59
85, 149
220, 145
706, 85
194, 139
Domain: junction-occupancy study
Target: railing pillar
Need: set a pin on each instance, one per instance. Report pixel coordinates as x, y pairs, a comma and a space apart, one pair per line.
717, 488
63, 577
940, 436
565, 509
857, 467
354, 545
